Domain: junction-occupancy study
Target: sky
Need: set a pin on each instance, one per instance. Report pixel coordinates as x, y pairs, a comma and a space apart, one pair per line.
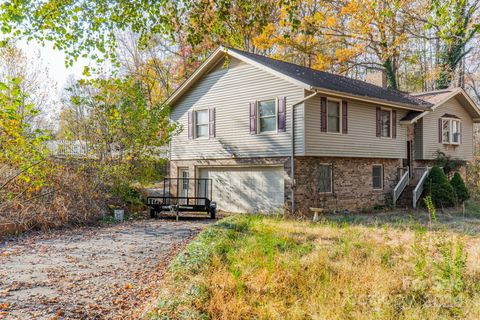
55, 61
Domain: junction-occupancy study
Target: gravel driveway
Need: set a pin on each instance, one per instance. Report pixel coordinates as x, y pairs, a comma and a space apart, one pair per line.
110, 272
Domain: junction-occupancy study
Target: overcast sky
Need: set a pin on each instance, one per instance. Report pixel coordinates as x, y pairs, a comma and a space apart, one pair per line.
55, 61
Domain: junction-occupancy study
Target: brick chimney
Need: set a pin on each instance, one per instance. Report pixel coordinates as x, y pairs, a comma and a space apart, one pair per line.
378, 78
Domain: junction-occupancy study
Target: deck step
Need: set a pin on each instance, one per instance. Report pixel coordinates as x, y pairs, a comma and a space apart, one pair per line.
406, 198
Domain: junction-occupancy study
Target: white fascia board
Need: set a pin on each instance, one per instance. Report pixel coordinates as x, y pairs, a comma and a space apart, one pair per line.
195, 75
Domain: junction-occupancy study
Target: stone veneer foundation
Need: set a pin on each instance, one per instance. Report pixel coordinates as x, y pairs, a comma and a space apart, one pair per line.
352, 183
352, 179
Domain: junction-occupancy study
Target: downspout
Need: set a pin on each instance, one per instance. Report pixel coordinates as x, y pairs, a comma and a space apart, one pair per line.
292, 151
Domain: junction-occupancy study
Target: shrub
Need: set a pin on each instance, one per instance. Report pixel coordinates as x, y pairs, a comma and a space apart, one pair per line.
459, 188
439, 188
448, 163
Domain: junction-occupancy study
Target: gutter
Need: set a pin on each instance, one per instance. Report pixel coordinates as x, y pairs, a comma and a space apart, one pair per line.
292, 153
369, 100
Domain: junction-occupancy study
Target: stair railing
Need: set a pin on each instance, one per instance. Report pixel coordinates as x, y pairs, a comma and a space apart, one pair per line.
401, 185
417, 192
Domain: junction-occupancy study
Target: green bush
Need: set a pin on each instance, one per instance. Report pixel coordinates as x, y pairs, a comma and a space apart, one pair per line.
439, 188
448, 163
459, 189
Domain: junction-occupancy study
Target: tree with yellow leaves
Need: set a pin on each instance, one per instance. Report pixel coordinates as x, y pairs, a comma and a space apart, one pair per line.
339, 36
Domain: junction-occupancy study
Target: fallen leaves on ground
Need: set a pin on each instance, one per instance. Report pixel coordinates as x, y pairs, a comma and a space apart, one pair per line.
111, 272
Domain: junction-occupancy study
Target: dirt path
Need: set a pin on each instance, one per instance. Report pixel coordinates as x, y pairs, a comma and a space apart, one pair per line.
89, 273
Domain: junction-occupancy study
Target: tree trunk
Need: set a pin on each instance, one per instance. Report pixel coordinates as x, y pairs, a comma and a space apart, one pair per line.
391, 73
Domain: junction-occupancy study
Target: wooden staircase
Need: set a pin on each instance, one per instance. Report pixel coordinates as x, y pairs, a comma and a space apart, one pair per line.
413, 188
406, 198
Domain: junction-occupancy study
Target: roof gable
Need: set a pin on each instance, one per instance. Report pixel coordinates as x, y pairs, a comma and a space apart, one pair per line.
439, 98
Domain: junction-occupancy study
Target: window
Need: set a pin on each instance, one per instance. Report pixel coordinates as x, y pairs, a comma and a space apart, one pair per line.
333, 112
201, 123
446, 131
451, 131
455, 131
325, 178
385, 119
377, 177
267, 115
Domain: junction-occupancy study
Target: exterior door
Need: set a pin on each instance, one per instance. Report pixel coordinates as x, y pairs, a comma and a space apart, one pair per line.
183, 184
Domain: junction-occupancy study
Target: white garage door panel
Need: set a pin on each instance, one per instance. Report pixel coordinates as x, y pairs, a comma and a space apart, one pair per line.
251, 189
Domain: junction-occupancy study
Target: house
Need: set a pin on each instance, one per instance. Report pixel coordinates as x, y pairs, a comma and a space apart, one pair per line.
272, 134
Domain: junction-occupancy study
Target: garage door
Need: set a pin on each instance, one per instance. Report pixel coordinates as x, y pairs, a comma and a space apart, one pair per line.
248, 190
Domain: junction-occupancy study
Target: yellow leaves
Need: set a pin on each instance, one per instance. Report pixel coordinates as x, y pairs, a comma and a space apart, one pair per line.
322, 62
347, 54
268, 38
352, 7
331, 21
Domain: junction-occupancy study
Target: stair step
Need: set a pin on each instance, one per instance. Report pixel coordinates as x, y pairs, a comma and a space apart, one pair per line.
406, 198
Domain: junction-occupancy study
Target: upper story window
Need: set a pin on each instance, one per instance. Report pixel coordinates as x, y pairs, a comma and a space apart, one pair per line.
451, 131
201, 123
267, 115
333, 112
385, 123
455, 131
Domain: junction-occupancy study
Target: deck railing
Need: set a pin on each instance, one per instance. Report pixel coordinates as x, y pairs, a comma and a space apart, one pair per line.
401, 185
64, 148
417, 192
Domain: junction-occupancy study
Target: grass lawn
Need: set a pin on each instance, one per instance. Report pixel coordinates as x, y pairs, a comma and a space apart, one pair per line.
383, 266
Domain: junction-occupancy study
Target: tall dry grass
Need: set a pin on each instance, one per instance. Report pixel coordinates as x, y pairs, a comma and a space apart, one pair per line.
71, 196
262, 268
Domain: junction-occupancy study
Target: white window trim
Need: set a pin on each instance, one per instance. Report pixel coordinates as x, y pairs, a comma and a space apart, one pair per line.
381, 175
195, 136
331, 179
257, 106
340, 122
450, 131
391, 124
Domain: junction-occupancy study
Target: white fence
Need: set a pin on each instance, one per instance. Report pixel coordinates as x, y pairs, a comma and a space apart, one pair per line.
80, 149
64, 148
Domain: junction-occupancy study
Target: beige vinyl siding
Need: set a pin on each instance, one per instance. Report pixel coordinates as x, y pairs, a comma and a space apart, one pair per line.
431, 145
418, 140
229, 88
361, 140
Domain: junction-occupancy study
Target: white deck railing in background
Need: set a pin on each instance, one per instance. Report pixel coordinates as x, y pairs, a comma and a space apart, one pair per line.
417, 192
81, 149
64, 148
401, 185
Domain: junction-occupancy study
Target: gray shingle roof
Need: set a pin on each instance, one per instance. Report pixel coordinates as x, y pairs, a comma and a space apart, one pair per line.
329, 81
411, 115
434, 97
